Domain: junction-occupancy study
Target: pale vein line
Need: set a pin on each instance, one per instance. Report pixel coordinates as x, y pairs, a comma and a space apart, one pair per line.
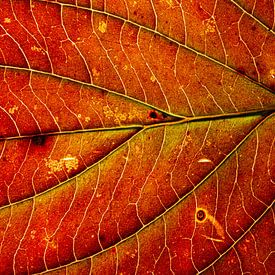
251, 15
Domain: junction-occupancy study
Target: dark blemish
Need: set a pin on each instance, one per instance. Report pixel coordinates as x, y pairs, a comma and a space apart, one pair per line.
153, 114
102, 238
253, 28
241, 70
135, 12
201, 215
164, 115
39, 140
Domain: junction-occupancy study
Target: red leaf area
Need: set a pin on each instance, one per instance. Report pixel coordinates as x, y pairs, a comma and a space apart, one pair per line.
137, 137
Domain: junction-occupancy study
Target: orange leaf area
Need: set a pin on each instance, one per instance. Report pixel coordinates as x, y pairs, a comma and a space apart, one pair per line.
137, 137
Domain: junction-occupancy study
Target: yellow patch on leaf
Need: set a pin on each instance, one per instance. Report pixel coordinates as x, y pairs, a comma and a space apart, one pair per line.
102, 26
13, 109
68, 163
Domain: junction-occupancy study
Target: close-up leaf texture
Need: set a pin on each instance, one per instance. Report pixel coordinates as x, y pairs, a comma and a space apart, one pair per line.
137, 137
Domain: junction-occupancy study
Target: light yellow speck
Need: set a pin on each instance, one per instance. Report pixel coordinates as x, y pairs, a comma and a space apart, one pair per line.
102, 26
153, 78
87, 119
95, 72
33, 234
272, 73
170, 3
7, 20
79, 115
125, 67
13, 109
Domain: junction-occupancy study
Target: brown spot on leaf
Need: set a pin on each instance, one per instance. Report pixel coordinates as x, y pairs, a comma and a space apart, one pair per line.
39, 140
201, 215
153, 114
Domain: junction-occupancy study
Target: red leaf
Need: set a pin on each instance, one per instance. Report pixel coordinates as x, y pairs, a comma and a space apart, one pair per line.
137, 137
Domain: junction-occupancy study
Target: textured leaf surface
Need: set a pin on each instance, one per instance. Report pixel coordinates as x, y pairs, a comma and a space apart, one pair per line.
137, 137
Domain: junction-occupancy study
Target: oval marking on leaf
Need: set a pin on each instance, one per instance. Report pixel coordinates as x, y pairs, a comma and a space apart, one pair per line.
204, 160
202, 216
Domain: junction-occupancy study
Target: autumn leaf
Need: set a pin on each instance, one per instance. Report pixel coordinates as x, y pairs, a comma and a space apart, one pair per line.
137, 137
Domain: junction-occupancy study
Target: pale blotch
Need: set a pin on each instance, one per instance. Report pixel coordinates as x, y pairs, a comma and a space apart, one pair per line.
95, 72
7, 20
125, 67
87, 119
13, 109
102, 27
36, 49
79, 116
209, 25
120, 116
33, 232
51, 242
187, 140
67, 163
170, 3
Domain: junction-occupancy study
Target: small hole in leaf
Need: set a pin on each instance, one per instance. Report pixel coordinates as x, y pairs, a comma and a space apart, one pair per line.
153, 114
241, 70
201, 215
39, 140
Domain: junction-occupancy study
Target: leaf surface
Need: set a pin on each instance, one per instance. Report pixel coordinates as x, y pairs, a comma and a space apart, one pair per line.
137, 137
